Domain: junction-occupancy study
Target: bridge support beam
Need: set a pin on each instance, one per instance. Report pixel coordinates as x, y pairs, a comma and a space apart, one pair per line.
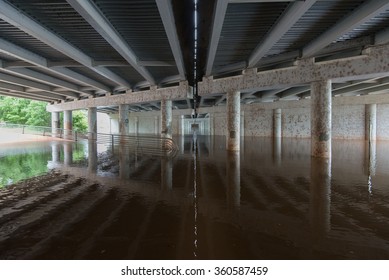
233, 120
166, 118
55, 124
371, 122
92, 123
68, 124
321, 108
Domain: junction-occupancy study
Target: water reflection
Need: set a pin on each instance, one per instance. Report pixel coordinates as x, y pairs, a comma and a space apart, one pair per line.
261, 203
233, 179
320, 197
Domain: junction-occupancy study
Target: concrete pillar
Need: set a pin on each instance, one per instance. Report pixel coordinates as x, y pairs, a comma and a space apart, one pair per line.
320, 197
55, 124
68, 124
370, 122
92, 123
321, 119
211, 124
233, 120
92, 156
123, 119
233, 179
156, 125
124, 162
277, 132
166, 118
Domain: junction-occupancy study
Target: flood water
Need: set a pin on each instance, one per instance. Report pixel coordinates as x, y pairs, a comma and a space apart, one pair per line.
270, 201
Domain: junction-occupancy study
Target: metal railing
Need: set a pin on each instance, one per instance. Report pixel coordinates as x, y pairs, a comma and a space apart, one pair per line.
141, 143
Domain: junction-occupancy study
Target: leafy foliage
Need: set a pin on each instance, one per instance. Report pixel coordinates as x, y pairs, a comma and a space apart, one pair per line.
29, 112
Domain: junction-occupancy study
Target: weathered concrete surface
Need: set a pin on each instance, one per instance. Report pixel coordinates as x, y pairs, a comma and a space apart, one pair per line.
233, 120
277, 132
374, 63
68, 123
123, 119
383, 122
296, 123
182, 91
371, 122
92, 123
55, 123
348, 122
166, 118
321, 119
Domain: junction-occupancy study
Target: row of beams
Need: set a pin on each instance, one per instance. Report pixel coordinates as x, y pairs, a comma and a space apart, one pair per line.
40, 61
288, 19
166, 13
95, 18
16, 18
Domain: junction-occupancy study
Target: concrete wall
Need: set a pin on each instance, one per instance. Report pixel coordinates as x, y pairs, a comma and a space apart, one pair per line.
348, 121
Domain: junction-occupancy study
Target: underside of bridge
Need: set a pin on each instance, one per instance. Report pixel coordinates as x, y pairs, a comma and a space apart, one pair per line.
195, 53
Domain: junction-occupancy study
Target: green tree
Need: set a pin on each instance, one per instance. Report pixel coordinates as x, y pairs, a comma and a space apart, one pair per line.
29, 112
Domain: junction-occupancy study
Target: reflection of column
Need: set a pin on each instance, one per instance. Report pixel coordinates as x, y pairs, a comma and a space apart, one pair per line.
124, 162
92, 156
233, 120
321, 119
166, 173
320, 196
92, 123
182, 132
55, 153
211, 125
182, 144
123, 119
371, 162
370, 122
277, 150
67, 124
136, 125
156, 125
55, 124
68, 153
166, 118
233, 178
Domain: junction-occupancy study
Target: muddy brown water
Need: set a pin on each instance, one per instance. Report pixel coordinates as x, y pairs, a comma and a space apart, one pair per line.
270, 201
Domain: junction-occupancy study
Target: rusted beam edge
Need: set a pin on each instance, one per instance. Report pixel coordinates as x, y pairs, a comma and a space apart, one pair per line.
182, 91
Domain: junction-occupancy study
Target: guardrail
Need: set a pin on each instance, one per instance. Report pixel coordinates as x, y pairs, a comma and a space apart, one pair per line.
141, 143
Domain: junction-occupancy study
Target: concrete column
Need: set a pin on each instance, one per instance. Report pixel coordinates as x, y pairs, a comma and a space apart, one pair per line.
321, 119
233, 120
92, 156
277, 132
92, 123
68, 124
55, 124
370, 122
124, 162
320, 197
166, 118
233, 179
156, 125
123, 119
